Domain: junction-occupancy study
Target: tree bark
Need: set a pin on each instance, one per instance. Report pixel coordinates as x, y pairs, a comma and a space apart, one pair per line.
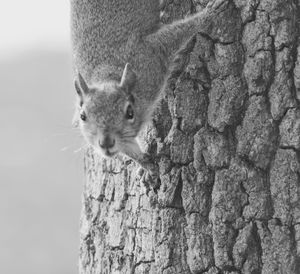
227, 139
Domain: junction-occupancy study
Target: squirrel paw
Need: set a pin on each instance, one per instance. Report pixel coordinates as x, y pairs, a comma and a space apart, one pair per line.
149, 170
149, 180
217, 6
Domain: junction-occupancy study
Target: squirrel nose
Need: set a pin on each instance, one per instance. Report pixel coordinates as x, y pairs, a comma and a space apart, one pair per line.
107, 142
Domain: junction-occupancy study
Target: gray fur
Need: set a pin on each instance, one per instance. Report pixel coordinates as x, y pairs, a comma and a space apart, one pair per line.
108, 34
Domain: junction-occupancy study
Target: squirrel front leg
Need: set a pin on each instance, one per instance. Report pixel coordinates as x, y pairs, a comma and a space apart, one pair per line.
170, 38
134, 151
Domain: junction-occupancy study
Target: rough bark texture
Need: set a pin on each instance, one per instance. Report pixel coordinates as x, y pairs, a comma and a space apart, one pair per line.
227, 136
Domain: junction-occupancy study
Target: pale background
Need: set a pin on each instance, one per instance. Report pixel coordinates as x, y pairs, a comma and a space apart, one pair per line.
40, 171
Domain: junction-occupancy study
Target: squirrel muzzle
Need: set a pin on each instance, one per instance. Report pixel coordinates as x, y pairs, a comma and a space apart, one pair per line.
107, 145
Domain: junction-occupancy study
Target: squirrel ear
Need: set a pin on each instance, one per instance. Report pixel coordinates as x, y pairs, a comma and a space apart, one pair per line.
128, 78
82, 85
79, 92
77, 88
81, 88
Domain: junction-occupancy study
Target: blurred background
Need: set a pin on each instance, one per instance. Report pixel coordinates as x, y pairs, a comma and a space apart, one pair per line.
40, 159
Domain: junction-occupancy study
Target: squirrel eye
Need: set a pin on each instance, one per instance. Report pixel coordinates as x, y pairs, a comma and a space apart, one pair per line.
83, 116
129, 113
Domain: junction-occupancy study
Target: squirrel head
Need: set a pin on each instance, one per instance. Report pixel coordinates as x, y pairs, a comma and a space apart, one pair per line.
107, 113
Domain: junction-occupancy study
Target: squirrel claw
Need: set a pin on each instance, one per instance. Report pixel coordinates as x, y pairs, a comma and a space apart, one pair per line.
151, 176
141, 172
149, 171
217, 6
150, 180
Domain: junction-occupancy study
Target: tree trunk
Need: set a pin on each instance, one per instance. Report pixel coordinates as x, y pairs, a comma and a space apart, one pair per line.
227, 138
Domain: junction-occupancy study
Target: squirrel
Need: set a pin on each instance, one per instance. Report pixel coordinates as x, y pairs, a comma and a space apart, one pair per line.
122, 57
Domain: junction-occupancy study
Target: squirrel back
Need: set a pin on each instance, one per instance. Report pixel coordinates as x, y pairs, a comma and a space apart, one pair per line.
103, 31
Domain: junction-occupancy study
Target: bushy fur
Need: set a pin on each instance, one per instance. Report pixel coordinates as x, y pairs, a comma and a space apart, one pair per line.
107, 35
